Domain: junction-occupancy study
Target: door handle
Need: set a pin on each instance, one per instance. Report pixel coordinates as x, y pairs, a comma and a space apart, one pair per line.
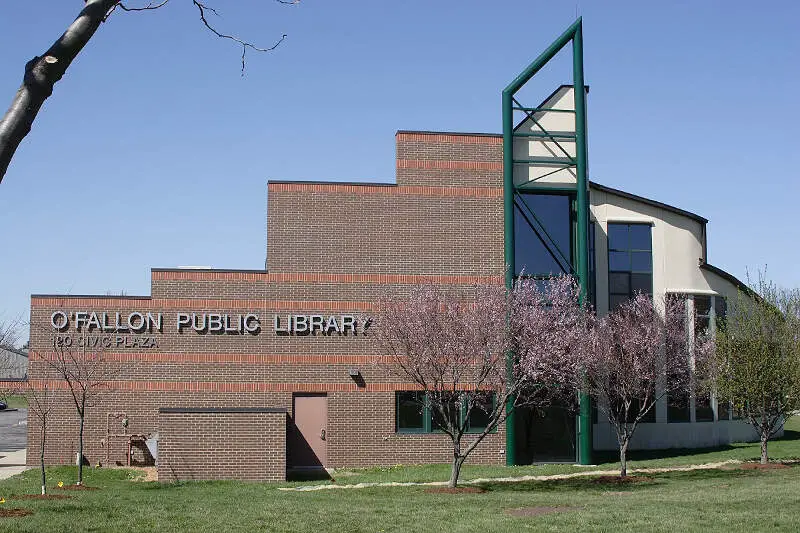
322, 435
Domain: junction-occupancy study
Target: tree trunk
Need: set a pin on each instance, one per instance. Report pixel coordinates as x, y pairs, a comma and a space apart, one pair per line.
623, 458
41, 459
458, 461
764, 440
42, 73
80, 454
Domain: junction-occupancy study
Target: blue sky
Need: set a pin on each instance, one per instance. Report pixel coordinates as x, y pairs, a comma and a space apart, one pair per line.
155, 152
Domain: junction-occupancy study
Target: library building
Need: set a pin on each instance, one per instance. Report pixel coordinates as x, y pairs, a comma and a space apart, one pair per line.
255, 374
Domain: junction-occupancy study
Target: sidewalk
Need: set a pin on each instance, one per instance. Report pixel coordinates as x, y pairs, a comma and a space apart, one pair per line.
12, 463
706, 466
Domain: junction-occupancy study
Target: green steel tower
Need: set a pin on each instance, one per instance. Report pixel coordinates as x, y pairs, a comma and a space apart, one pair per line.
580, 189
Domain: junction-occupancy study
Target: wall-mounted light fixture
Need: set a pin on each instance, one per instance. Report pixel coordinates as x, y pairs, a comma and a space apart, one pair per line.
355, 375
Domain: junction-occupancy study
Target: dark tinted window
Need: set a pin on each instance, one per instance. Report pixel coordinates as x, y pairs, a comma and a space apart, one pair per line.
542, 234
678, 408
702, 409
452, 409
479, 416
630, 262
633, 412
723, 410
410, 409
702, 315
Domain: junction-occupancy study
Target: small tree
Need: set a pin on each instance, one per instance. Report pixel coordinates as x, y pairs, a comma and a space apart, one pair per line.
638, 355
8, 333
85, 373
757, 360
41, 403
457, 353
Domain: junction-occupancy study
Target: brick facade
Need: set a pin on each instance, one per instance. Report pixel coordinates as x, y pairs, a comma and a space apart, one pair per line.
248, 444
333, 249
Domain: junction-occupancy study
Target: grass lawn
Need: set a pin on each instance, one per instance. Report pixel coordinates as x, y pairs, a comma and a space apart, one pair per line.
17, 401
719, 500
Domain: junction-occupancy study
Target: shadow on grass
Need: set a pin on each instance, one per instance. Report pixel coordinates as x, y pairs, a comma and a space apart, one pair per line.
612, 456
789, 434
591, 483
602, 457
313, 474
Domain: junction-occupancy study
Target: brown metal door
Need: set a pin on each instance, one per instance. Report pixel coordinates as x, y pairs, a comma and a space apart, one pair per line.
308, 446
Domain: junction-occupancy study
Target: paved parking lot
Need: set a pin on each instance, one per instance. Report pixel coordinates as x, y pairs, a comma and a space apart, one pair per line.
13, 429
13, 439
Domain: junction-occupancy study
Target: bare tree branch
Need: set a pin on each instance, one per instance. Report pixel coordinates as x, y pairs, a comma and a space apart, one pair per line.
245, 44
43, 72
149, 7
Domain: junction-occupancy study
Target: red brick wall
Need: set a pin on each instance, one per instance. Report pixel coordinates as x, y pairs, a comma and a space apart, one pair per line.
449, 159
245, 444
359, 436
384, 229
333, 249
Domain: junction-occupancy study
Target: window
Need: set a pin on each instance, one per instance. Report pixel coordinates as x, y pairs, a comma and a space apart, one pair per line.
412, 414
542, 234
723, 410
702, 315
703, 412
634, 409
630, 262
452, 411
709, 311
678, 408
481, 411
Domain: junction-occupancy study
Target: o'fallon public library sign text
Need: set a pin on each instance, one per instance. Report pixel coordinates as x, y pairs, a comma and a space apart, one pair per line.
115, 330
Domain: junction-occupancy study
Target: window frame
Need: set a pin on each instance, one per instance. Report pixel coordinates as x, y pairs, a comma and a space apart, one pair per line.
570, 253
428, 425
630, 251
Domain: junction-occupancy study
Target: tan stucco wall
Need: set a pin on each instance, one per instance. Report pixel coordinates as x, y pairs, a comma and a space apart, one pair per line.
677, 252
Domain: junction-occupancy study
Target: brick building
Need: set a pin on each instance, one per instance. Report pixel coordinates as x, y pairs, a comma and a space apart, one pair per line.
243, 374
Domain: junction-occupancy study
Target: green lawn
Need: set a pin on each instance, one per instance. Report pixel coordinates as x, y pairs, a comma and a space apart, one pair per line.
718, 500
16, 401
787, 448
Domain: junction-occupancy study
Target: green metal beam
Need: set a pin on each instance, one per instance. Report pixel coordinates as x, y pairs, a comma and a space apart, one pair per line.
582, 201
544, 134
533, 186
574, 34
546, 161
543, 109
543, 58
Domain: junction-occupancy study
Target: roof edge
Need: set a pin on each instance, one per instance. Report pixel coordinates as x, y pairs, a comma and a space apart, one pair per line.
459, 133
327, 182
654, 203
728, 277
221, 270
92, 296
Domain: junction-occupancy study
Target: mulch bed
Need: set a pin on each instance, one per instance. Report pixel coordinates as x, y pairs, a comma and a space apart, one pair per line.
537, 511
41, 497
11, 513
617, 480
759, 466
76, 487
457, 490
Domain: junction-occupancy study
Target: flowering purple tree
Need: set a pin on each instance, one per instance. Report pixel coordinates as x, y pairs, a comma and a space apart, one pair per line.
456, 351
638, 355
